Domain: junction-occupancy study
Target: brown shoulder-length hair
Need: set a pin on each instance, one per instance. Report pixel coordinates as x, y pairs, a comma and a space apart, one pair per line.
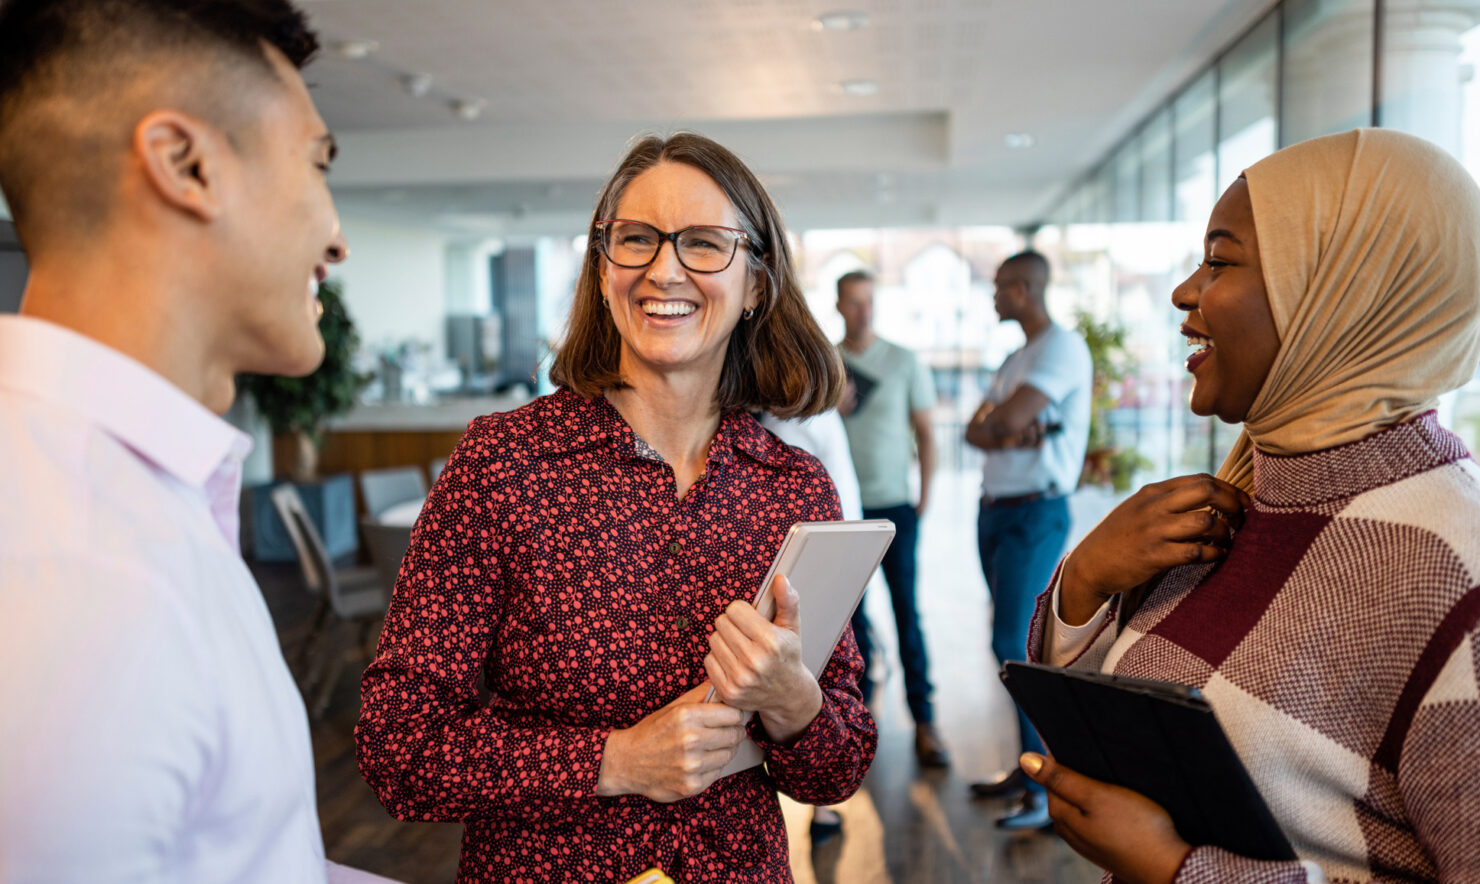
777, 361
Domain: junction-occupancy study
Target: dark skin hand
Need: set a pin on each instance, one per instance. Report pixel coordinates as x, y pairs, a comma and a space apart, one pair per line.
1116, 829
1181, 521
1013, 423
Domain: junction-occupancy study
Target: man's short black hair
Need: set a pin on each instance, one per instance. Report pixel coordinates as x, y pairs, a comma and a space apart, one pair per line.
81, 54
34, 31
1037, 267
1030, 258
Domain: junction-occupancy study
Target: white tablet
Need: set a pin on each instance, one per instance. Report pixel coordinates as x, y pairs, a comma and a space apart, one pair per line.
829, 565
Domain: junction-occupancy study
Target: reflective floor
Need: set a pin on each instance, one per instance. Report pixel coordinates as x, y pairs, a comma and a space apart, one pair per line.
905, 825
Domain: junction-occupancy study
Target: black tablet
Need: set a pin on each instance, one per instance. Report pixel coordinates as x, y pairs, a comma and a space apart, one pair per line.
1157, 738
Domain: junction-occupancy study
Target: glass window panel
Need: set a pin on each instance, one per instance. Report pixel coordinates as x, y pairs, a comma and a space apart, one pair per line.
1426, 45
1100, 190
1469, 105
1195, 188
1247, 78
1430, 54
1328, 67
1127, 171
1193, 159
1156, 167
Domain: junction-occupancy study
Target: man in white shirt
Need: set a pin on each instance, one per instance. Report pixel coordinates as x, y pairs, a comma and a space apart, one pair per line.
165, 168
1034, 426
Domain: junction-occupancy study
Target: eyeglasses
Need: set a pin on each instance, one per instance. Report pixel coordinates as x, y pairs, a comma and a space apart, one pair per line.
704, 248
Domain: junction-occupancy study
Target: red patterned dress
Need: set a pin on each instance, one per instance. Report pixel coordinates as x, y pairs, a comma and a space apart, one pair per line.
554, 562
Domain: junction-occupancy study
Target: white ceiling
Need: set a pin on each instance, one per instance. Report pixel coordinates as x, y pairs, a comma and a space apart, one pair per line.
568, 82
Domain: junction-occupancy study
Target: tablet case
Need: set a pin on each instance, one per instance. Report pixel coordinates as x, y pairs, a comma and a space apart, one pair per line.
828, 564
1157, 738
863, 385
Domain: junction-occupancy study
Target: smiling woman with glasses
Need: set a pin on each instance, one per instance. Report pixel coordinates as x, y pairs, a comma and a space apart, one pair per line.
590, 559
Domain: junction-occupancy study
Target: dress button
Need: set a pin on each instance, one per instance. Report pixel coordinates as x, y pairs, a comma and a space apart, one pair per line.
675, 548
681, 622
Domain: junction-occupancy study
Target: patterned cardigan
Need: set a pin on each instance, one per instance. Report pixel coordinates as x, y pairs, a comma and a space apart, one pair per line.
1339, 645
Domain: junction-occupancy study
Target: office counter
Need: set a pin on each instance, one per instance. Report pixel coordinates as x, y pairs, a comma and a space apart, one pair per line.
395, 434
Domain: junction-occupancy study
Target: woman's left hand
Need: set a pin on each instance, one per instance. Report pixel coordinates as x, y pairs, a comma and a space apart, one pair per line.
756, 664
1117, 829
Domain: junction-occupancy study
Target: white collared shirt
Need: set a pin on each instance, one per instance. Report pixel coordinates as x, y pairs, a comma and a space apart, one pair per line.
149, 729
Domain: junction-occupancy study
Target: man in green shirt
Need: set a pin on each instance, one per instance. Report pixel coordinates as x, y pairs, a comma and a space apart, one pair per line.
887, 414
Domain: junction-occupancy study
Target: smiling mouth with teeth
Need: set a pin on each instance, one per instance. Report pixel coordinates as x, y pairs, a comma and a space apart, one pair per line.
1200, 343
667, 308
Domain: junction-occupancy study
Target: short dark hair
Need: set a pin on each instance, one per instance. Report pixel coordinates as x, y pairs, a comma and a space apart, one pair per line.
65, 65
1029, 258
777, 361
851, 277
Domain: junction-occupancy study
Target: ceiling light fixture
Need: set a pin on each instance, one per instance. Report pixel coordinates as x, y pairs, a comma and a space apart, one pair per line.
1019, 140
859, 88
468, 109
354, 50
416, 84
841, 20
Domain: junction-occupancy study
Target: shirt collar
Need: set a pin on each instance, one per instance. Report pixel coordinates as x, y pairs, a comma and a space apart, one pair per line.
125, 399
595, 421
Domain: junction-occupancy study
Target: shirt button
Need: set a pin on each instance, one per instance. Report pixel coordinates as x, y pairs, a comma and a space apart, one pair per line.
675, 548
681, 622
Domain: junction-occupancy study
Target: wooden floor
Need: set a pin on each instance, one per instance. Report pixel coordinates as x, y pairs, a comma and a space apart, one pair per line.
906, 825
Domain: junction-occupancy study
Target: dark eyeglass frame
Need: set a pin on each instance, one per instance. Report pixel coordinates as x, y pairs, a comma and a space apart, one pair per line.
602, 228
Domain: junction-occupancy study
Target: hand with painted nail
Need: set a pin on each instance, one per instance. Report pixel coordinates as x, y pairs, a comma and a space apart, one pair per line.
1119, 830
1181, 521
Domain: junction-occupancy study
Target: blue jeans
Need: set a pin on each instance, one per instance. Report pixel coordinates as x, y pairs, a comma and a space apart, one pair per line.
899, 573
1019, 547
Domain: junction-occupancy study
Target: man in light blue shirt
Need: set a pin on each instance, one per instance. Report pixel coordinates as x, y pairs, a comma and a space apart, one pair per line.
1033, 426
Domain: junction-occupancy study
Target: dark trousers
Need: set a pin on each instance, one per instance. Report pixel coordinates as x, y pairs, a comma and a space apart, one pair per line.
899, 573
1019, 547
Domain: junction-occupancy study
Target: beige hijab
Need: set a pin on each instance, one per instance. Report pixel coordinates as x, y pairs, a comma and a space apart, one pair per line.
1370, 242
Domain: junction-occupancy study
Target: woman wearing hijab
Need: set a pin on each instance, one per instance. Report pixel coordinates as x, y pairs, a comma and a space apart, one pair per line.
1333, 628
589, 561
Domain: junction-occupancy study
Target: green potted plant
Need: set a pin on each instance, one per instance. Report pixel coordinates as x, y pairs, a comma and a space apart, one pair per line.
1124, 464
298, 407
1103, 463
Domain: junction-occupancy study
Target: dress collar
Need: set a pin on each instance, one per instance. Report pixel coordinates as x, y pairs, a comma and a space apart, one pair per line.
589, 423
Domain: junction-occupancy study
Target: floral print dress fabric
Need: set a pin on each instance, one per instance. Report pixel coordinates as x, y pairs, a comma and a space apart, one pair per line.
554, 566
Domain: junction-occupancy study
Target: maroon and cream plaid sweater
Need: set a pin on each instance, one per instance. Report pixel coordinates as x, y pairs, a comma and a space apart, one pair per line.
1339, 645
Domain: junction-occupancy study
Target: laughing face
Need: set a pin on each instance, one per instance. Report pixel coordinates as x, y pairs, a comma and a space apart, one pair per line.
673, 320
284, 232
1229, 323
